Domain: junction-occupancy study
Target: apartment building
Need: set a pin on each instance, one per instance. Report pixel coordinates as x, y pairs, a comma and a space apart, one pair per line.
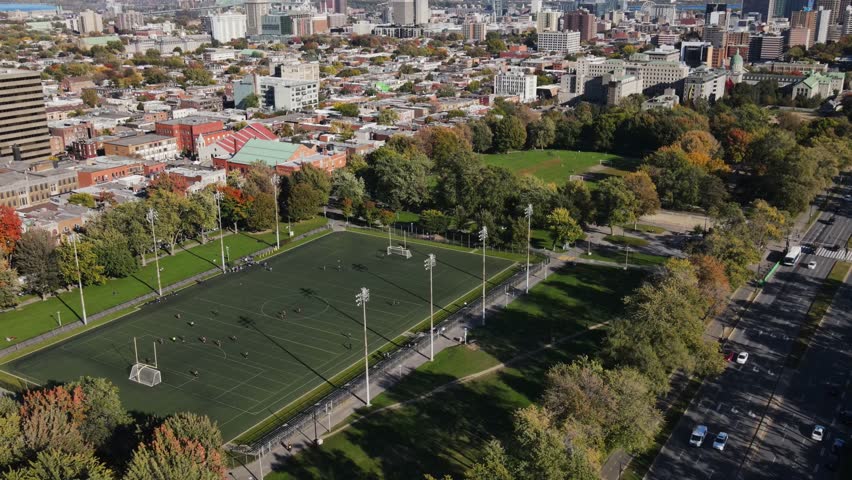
278, 93
516, 81
24, 189
565, 42
23, 122
154, 148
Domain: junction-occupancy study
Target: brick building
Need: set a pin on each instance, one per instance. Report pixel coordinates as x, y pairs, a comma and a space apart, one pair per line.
187, 130
107, 169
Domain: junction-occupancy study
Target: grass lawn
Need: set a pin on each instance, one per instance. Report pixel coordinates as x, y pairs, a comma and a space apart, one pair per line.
634, 258
642, 228
39, 317
626, 240
273, 358
552, 165
444, 434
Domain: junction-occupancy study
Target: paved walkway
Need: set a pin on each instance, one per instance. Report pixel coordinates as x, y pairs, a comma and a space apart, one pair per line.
325, 425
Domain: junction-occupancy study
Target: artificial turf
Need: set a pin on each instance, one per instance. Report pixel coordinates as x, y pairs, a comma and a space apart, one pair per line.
272, 359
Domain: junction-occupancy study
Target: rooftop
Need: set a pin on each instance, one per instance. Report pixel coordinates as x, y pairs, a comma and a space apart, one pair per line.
139, 140
193, 120
270, 152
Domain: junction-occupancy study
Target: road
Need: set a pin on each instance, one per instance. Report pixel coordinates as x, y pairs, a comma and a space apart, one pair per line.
772, 439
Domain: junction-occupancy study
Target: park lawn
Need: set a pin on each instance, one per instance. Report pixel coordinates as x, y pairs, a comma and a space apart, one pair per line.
444, 433
634, 258
550, 165
643, 228
626, 240
37, 318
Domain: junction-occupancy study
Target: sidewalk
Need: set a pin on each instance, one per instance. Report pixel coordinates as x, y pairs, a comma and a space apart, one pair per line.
326, 425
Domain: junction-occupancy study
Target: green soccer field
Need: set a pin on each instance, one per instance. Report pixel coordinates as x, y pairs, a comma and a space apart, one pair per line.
272, 360
552, 165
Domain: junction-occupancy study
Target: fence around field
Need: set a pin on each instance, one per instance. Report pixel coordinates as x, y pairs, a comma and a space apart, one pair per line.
386, 372
152, 296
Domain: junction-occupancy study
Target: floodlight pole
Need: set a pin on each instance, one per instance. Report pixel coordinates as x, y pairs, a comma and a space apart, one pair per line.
260, 462
218, 197
79, 278
429, 263
528, 212
361, 300
152, 216
483, 236
277, 220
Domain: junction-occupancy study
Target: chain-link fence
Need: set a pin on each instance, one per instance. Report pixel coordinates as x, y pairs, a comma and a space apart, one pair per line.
387, 372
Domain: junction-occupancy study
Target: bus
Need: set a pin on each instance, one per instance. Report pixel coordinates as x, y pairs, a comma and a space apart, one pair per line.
792, 256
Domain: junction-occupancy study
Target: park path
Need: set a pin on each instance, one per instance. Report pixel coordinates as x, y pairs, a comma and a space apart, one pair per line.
341, 413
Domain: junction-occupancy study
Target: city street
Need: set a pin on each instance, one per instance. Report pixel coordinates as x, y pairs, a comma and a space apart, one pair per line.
773, 441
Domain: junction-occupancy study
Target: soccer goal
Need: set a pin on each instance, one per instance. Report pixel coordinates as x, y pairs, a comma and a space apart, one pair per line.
144, 373
398, 250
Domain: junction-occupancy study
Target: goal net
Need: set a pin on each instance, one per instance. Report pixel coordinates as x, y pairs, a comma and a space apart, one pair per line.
399, 251
145, 374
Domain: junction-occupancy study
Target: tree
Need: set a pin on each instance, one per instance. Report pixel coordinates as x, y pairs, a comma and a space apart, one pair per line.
386, 217
303, 202
493, 465
168, 226
11, 443
82, 199
169, 182
481, 137
317, 178
398, 180
614, 203
102, 409
9, 286
678, 182
90, 97
36, 259
250, 101
90, 271
200, 214
54, 464
51, 418
563, 228
113, 254
575, 196
541, 133
347, 109
766, 223
712, 282
10, 230
168, 456
541, 448
197, 428
344, 184
509, 134
387, 116
261, 213
347, 208
642, 187
434, 221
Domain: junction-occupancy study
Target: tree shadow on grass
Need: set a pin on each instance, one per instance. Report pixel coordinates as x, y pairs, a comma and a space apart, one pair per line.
192, 252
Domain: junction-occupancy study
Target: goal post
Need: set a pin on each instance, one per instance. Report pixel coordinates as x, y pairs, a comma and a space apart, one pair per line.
397, 250
144, 373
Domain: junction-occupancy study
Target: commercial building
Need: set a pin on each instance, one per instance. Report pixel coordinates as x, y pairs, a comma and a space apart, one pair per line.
823, 22
474, 31
620, 86
765, 47
580, 21
340, 6
422, 13
696, 54
547, 21
23, 122
705, 83
255, 10
153, 148
90, 22
109, 168
278, 93
566, 42
296, 70
832, 6
402, 11
225, 27
516, 82
129, 21
24, 189
188, 130
802, 28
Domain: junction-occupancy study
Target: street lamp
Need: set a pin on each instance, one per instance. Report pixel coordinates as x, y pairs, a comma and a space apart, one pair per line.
483, 236
429, 263
152, 216
79, 279
361, 300
528, 212
626, 253
218, 197
275, 197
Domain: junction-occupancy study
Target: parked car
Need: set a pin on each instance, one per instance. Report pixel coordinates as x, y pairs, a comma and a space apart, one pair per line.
818, 433
721, 441
811, 265
730, 356
698, 434
742, 358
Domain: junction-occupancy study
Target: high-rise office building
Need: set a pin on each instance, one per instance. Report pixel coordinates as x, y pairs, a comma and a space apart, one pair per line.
823, 21
766, 8
403, 12
802, 28
23, 124
340, 6
547, 21
90, 22
255, 10
422, 13
535, 6
833, 6
474, 31
580, 21
765, 47
225, 27
127, 21
498, 8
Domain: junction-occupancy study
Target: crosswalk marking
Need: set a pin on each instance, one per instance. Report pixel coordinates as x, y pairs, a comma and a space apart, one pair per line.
842, 255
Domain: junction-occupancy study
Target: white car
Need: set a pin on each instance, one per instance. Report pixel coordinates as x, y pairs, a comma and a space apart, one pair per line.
811, 265
742, 358
697, 437
721, 441
818, 433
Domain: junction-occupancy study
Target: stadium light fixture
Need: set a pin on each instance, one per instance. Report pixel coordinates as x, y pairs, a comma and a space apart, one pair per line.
218, 197
79, 279
430, 263
361, 300
152, 217
528, 212
483, 236
275, 198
